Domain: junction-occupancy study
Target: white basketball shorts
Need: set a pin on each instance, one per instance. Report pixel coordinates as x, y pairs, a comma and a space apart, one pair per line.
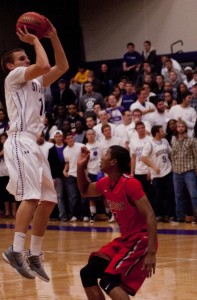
29, 171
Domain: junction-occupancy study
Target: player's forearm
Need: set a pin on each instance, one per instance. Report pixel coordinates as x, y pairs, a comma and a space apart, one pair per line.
41, 56
61, 61
152, 233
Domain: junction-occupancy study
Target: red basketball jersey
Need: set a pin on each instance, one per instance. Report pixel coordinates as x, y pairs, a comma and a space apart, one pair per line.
121, 197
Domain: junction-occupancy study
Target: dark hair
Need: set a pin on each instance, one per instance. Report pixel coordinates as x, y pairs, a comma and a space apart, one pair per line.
122, 156
138, 124
9, 58
105, 126
148, 42
130, 44
155, 129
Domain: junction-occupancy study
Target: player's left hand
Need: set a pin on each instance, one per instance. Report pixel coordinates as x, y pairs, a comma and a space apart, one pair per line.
52, 31
149, 264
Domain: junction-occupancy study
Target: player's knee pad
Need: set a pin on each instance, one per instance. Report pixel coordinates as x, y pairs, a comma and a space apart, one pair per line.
109, 282
93, 270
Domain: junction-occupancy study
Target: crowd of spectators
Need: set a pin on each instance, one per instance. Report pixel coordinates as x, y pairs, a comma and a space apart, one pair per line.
150, 108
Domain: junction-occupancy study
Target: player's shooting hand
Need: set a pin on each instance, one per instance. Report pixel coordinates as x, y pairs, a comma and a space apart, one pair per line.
25, 36
83, 158
149, 264
52, 31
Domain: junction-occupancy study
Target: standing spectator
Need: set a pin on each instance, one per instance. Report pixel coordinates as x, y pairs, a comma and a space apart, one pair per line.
121, 130
44, 145
114, 111
87, 101
181, 90
73, 117
103, 120
149, 54
107, 140
155, 155
159, 85
131, 62
93, 168
59, 115
49, 127
80, 135
6, 198
118, 94
185, 112
90, 122
130, 96
138, 169
56, 162
71, 154
184, 166
194, 97
189, 81
160, 116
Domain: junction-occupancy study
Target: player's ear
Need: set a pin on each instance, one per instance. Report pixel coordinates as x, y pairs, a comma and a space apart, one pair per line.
113, 162
10, 66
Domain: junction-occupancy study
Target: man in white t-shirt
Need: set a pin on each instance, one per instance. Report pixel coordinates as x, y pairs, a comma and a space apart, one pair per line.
160, 116
155, 155
104, 120
184, 112
71, 154
138, 169
145, 106
121, 130
108, 140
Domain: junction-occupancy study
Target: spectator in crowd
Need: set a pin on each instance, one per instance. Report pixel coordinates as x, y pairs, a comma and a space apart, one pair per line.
4, 122
44, 145
64, 94
171, 130
149, 93
181, 90
145, 70
130, 95
118, 94
155, 155
49, 127
168, 88
160, 116
149, 55
189, 81
114, 111
59, 115
194, 97
175, 64
82, 75
8, 200
80, 135
71, 153
184, 112
173, 78
103, 120
131, 62
168, 68
66, 127
138, 169
108, 139
184, 166
73, 117
93, 168
131, 131
169, 101
90, 122
56, 162
97, 109
159, 85
95, 81
121, 130
146, 107
87, 101
106, 80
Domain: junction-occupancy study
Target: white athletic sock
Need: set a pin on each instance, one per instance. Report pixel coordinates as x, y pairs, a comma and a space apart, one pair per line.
36, 244
92, 209
19, 241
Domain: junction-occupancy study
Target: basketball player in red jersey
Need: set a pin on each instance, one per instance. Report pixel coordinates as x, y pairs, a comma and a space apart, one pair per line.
123, 264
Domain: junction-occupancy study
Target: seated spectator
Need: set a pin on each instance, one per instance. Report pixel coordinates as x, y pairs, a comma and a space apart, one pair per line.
49, 127
194, 97
82, 75
59, 115
95, 81
181, 89
149, 93
168, 88
159, 85
118, 94
4, 121
175, 64
168, 68
106, 80
168, 100
173, 78
64, 95
73, 117
90, 122
97, 109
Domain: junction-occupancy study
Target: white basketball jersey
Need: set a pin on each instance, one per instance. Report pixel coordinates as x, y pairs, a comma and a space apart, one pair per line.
25, 102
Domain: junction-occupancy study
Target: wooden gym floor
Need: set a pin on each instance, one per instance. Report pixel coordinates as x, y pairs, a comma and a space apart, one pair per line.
67, 247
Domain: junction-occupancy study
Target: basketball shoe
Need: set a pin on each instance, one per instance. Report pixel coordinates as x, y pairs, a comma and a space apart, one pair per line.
18, 261
36, 266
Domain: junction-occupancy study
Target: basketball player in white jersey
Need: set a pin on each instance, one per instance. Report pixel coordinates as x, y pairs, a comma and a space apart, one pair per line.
30, 177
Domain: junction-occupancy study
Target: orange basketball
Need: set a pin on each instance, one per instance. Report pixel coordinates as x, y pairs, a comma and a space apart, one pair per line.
36, 24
